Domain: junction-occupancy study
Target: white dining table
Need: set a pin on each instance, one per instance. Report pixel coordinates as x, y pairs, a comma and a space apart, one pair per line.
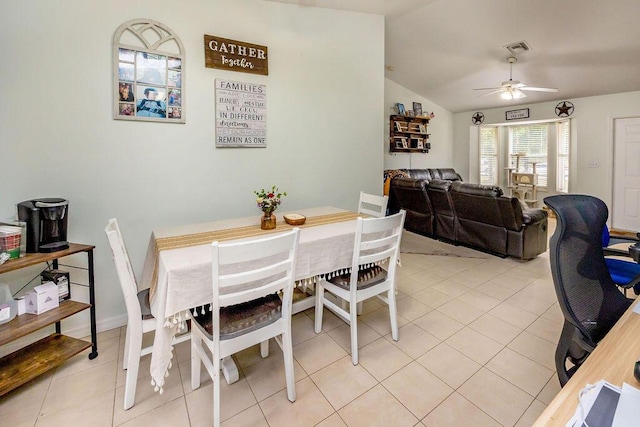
183, 277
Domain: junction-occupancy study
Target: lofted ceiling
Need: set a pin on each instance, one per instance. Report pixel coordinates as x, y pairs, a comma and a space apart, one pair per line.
442, 49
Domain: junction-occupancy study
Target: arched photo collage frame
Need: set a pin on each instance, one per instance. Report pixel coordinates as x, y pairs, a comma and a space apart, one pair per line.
148, 73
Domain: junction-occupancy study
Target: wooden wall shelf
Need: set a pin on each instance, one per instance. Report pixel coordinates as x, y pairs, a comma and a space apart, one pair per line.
408, 134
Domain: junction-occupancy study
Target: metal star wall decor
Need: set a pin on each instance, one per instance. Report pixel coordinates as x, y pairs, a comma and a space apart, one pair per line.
477, 118
564, 109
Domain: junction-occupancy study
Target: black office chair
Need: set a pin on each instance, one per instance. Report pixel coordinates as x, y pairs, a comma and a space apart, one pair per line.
590, 301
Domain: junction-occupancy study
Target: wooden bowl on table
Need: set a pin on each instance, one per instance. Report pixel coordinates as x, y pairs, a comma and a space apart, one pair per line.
295, 219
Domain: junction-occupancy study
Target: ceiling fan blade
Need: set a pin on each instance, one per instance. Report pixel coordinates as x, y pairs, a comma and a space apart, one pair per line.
539, 89
488, 88
492, 93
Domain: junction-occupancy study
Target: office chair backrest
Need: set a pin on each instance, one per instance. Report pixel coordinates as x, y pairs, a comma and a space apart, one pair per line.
588, 297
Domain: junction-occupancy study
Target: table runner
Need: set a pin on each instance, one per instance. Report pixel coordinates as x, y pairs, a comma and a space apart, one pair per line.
183, 241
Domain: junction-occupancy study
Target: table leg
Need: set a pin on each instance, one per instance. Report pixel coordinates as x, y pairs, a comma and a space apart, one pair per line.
230, 370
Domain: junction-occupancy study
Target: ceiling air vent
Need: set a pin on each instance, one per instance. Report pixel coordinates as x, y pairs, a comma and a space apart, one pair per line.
517, 48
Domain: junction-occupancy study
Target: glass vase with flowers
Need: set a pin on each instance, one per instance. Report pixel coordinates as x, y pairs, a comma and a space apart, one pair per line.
268, 202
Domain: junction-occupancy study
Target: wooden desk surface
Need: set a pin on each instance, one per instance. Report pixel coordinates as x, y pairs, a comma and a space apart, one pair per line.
612, 361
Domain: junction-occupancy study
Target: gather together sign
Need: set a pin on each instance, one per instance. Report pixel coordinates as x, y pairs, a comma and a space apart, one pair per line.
234, 55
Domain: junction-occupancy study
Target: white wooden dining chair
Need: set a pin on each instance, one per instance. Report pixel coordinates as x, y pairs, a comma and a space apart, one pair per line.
373, 205
139, 317
252, 297
377, 244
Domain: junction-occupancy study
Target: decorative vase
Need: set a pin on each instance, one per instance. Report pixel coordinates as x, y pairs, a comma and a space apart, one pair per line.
268, 221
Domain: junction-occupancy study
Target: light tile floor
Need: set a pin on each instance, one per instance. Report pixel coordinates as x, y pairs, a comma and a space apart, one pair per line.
476, 348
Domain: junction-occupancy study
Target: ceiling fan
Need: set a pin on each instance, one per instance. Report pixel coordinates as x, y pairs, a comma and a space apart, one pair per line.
513, 89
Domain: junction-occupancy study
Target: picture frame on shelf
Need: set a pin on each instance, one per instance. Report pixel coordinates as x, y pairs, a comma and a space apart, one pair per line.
410, 113
417, 108
398, 126
423, 128
401, 109
405, 144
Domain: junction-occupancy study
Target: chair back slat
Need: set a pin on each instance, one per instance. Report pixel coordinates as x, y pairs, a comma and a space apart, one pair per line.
373, 205
124, 269
252, 293
383, 242
231, 280
378, 256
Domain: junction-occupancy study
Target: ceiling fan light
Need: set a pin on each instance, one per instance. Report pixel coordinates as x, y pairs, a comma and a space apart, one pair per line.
512, 93
507, 95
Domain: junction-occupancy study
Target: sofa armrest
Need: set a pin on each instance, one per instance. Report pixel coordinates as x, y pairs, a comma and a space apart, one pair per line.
534, 216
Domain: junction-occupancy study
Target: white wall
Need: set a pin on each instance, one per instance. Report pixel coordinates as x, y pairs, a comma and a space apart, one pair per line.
440, 130
592, 130
325, 96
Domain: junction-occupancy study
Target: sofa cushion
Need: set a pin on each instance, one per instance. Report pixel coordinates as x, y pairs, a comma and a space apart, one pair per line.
476, 189
438, 191
448, 174
411, 195
439, 184
420, 174
410, 183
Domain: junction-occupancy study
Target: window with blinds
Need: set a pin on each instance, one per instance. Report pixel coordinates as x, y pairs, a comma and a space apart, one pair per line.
489, 155
530, 141
562, 168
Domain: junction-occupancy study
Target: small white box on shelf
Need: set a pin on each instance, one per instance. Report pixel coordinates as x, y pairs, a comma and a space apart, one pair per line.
43, 298
22, 309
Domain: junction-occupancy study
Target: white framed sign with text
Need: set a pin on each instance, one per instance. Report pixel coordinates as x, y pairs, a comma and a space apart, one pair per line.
241, 114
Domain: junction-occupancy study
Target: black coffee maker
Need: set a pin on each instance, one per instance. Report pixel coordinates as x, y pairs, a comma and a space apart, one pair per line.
46, 224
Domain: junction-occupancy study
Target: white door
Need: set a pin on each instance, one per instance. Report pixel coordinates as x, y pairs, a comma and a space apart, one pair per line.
626, 175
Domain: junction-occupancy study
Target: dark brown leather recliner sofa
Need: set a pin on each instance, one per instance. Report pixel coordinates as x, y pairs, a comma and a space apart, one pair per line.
473, 215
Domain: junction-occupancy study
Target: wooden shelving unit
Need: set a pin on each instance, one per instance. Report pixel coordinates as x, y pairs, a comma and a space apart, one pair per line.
27, 323
47, 353
23, 365
408, 134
